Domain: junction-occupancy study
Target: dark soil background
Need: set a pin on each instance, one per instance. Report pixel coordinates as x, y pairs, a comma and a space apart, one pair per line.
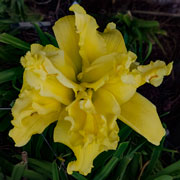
167, 96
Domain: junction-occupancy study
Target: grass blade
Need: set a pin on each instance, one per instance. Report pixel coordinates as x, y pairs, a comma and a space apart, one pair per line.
55, 171
154, 157
124, 133
8, 75
112, 162
44, 40
52, 39
164, 177
123, 166
148, 52
18, 171
32, 175
171, 169
13, 41
78, 176
63, 174
125, 162
145, 24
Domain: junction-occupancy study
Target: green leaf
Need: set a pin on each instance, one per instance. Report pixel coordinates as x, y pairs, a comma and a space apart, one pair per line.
164, 177
40, 142
78, 176
148, 52
102, 159
154, 157
134, 165
144, 23
42, 36
123, 166
124, 162
13, 41
42, 164
112, 162
124, 133
63, 175
158, 43
121, 149
140, 40
52, 39
34, 163
55, 171
8, 75
32, 175
18, 171
127, 19
169, 170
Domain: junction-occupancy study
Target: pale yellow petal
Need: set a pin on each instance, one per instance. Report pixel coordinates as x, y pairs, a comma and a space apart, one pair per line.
49, 86
123, 85
105, 103
32, 114
114, 39
85, 157
34, 124
67, 38
43, 74
52, 70
154, 72
106, 65
101, 67
141, 115
87, 131
92, 45
48, 50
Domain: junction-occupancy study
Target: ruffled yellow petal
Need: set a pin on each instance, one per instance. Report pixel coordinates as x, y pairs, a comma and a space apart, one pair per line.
141, 115
41, 74
154, 72
92, 45
86, 131
99, 68
32, 114
39, 55
114, 39
67, 38
106, 65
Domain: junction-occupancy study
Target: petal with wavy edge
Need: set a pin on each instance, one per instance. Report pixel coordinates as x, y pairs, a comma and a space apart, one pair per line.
51, 70
86, 132
48, 50
34, 124
106, 65
67, 38
91, 43
99, 68
154, 72
49, 86
114, 39
55, 56
123, 85
32, 115
141, 115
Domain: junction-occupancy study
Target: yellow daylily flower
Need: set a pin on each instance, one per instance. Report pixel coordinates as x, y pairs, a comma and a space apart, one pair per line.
85, 85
